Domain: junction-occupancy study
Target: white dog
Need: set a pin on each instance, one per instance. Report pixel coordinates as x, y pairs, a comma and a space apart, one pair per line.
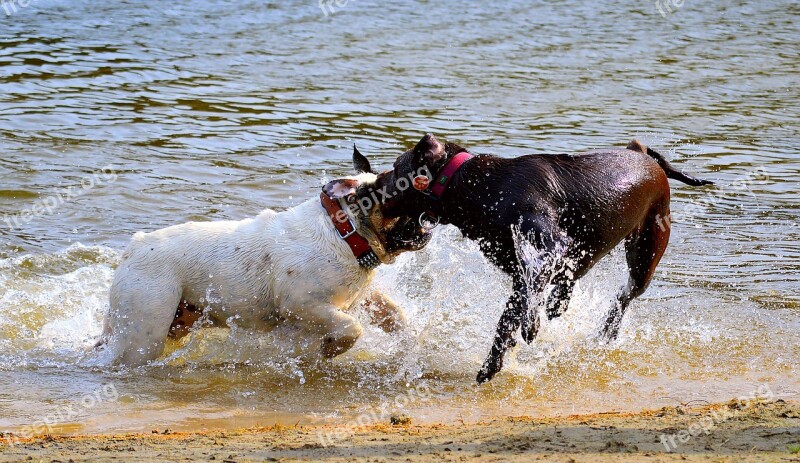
308, 265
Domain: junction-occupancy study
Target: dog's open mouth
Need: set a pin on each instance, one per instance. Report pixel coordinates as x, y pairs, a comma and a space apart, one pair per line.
417, 243
407, 235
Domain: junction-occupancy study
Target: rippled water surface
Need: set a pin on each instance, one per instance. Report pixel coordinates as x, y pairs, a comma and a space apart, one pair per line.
214, 110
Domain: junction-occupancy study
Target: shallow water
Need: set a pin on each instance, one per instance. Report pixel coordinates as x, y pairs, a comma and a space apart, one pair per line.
206, 111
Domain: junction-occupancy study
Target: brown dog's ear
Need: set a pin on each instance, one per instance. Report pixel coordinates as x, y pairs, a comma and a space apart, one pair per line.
360, 162
340, 188
428, 151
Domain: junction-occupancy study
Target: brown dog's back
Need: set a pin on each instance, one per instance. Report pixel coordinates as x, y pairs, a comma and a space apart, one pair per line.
671, 172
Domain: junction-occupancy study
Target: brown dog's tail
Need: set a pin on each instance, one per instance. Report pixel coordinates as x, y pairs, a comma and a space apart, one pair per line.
671, 172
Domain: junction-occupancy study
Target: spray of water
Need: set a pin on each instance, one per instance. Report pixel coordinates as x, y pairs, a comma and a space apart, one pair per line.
675, 342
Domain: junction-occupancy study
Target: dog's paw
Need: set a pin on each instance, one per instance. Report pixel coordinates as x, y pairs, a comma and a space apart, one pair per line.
530, 328
393, 322
494, 362
385, 313
490, 368
609, 333
332, 347
486, 374
341, 341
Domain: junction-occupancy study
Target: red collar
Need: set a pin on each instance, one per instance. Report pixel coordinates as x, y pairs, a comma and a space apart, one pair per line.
364, 254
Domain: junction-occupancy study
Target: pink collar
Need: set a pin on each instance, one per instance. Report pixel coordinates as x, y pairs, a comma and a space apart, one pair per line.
430, 218
445, 176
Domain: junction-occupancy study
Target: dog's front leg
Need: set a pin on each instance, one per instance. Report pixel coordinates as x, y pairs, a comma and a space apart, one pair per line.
518, 312
516, 308
552, 266
544, 258
384, 313
339, 330
536, 266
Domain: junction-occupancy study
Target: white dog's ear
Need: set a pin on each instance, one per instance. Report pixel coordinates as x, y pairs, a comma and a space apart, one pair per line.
340, 188
360, 162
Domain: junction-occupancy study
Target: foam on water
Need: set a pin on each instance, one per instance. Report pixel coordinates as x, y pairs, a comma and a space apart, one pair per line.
53, 305
683, 343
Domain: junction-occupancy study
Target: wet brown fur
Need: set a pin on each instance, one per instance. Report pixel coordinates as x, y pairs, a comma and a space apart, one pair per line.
574, 209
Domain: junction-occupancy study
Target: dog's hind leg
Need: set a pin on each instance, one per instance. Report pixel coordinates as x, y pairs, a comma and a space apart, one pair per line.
142, 310
643, 251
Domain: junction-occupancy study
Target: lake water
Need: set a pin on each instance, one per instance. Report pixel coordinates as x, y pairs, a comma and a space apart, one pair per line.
151, 114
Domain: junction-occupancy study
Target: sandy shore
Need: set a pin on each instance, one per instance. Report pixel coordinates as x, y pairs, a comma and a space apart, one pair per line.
731, 432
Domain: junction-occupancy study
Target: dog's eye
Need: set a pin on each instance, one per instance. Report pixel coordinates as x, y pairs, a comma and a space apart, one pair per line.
351, 199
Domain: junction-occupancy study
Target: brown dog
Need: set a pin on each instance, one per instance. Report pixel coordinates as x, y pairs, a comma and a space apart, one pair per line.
573, 209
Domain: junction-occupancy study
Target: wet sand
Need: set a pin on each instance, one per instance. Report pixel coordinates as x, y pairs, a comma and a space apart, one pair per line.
732, 432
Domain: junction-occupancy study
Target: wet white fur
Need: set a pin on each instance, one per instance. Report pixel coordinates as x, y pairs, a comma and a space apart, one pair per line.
253, 273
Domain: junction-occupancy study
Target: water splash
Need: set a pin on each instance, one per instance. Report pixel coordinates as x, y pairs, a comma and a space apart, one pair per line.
675, 342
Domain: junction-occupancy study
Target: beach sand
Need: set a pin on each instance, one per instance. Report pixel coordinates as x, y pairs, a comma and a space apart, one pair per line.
731, 432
